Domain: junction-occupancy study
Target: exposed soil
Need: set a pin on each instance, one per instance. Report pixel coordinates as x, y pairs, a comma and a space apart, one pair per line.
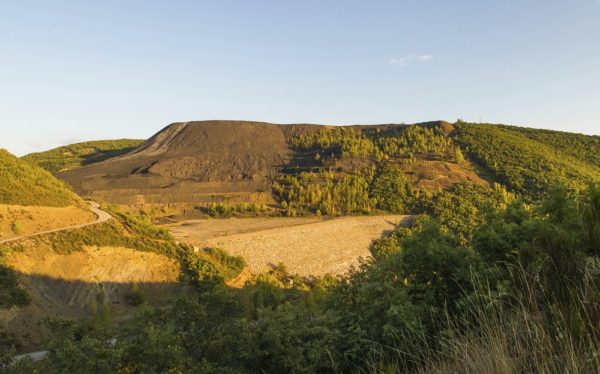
434, 175
96, 265
182, 162
306, 246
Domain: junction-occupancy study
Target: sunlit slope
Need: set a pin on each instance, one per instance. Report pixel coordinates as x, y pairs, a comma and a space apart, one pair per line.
531, 161
24, 184
118, 264
584, 147
81, 154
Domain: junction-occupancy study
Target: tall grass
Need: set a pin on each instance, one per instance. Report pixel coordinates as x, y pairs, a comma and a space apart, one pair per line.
528, 331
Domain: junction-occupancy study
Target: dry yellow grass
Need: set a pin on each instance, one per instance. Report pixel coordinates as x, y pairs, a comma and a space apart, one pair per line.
96, 265
307, 246
16, 220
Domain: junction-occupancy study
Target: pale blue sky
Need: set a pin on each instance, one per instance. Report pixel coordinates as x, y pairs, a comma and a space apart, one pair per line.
80, 70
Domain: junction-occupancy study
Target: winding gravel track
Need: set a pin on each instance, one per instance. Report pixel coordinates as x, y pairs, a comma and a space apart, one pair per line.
102, 217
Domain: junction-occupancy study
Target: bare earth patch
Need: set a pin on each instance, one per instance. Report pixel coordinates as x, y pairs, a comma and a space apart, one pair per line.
307, 246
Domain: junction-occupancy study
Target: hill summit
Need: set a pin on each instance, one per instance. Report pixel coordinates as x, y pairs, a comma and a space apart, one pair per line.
188, 160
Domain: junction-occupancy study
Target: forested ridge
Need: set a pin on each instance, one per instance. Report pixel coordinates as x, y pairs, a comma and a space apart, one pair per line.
583, 147
530, 161
337, 167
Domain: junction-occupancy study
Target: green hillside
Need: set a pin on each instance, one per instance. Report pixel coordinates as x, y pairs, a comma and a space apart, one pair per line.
531, 161
24, 184
81, 154
584, 147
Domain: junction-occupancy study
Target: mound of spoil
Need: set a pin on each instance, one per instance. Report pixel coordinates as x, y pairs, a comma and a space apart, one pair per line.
179, 162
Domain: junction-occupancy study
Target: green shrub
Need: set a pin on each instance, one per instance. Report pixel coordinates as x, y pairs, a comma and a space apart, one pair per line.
211, 267
135, 297
391, 190
16, 227
10, 292
465, 207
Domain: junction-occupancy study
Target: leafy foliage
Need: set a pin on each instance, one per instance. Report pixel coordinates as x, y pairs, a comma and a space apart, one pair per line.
81, 154
391, 190
529, 161
25, 184
325, 193
465, 207
211, 267
11, 294
400, 312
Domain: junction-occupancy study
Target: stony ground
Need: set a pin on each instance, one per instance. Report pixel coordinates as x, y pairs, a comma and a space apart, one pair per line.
307, 246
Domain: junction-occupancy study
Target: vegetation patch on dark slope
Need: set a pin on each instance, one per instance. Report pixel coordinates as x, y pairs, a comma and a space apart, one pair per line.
81, 154
348, 170
392, 192
24, 184
530, 162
